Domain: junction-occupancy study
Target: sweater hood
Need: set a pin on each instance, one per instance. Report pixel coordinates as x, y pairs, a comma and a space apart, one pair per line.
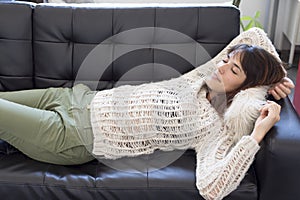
241, 115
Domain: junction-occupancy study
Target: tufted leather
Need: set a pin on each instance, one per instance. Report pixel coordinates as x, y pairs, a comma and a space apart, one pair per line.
44, 45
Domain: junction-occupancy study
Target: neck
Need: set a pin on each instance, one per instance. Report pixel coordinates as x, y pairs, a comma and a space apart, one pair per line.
217, 100
212, 94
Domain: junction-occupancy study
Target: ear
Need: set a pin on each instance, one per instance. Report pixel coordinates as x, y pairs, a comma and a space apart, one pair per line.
244, 110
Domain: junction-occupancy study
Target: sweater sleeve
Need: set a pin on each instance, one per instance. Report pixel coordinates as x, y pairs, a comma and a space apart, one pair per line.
254, 36
221, 167
202, 71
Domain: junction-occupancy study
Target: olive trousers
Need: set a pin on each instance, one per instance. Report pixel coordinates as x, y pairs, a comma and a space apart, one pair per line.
49, 125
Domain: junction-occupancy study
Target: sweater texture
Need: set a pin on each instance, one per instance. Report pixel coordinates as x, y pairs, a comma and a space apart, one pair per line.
175, 114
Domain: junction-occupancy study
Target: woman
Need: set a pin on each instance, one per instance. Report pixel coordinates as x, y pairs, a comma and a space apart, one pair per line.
53, 125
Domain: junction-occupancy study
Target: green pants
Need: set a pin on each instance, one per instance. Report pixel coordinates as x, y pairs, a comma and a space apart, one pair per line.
50, 125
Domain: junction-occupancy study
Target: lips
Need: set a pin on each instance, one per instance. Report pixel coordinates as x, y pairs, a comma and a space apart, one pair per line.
215, 77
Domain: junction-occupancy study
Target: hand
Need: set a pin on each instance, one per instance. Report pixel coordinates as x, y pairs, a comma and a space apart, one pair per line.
269, 115
282, 89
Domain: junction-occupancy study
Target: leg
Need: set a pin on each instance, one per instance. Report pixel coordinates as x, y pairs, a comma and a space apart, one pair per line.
31, 98
35, 132
47, 132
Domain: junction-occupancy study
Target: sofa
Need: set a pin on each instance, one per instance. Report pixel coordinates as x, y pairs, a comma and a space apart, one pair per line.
46, 45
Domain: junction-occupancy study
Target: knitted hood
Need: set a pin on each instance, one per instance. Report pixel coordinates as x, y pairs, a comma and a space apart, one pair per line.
241, 115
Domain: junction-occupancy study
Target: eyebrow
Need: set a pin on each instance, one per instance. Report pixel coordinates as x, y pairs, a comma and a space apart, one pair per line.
228, 56
237, 66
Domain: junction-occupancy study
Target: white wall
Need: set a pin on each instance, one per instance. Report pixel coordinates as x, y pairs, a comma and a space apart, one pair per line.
275, 29
249, 7
160, 1
287, 23
141, 1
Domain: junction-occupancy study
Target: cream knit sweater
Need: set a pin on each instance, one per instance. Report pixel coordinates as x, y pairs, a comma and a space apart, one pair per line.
175, 114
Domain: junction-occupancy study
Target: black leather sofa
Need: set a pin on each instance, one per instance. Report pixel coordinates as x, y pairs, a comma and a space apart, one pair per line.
44, 45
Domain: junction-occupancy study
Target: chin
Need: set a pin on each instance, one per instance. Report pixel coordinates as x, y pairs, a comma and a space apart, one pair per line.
215, 86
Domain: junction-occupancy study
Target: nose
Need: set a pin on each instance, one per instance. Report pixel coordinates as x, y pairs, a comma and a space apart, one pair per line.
222, 68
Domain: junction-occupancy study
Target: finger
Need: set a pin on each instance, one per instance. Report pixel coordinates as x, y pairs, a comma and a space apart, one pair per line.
289, 84
282, 91
286, 89
273, 108
287, 79
270, 102
274, 94
273, 103
274, 113
265, 109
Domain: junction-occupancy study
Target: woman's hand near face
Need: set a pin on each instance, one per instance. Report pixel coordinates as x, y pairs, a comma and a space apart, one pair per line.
269, 115
282, 89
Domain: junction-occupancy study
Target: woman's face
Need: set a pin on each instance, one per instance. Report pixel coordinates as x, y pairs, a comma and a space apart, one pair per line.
228, 76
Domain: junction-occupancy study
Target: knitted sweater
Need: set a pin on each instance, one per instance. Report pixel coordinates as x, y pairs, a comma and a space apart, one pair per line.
133, 120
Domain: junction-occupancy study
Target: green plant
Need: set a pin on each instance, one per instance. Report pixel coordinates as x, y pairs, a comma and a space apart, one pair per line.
250, 21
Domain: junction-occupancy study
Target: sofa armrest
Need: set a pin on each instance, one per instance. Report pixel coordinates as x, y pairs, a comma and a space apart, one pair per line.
277, 163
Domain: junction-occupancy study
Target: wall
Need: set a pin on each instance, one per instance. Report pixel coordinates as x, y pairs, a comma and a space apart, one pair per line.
273, 24
286, 23
250, 7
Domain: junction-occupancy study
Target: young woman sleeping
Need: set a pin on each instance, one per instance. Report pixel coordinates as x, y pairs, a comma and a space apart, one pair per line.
220, 110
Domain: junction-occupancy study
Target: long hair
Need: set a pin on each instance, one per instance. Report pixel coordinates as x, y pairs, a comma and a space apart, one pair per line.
260, 66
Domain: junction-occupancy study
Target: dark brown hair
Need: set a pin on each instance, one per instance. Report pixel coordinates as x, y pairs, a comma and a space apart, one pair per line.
260, 66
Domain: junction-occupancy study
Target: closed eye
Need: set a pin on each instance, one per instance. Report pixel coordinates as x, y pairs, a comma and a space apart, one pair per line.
233, 71
225, 60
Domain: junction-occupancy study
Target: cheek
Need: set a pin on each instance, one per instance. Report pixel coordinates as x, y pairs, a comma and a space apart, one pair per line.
233, 83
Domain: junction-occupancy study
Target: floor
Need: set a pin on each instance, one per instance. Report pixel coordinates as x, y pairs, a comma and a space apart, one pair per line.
291, 70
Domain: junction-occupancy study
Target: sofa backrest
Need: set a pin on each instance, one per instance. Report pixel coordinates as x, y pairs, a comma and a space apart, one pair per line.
16, 53
66, 38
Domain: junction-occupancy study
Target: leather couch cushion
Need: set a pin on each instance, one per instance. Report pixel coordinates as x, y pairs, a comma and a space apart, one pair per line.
36, 180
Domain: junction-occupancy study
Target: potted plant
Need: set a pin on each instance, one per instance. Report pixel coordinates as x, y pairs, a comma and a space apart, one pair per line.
248, 22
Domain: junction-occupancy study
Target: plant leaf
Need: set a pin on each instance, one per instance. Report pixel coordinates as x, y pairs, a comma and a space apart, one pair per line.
249, 25
257, 15
252, 21
242, 25
258, 24
246, 18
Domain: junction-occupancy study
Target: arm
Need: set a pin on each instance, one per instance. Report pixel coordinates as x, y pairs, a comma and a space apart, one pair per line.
269, 115
282, 89
221, 170
277, 163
